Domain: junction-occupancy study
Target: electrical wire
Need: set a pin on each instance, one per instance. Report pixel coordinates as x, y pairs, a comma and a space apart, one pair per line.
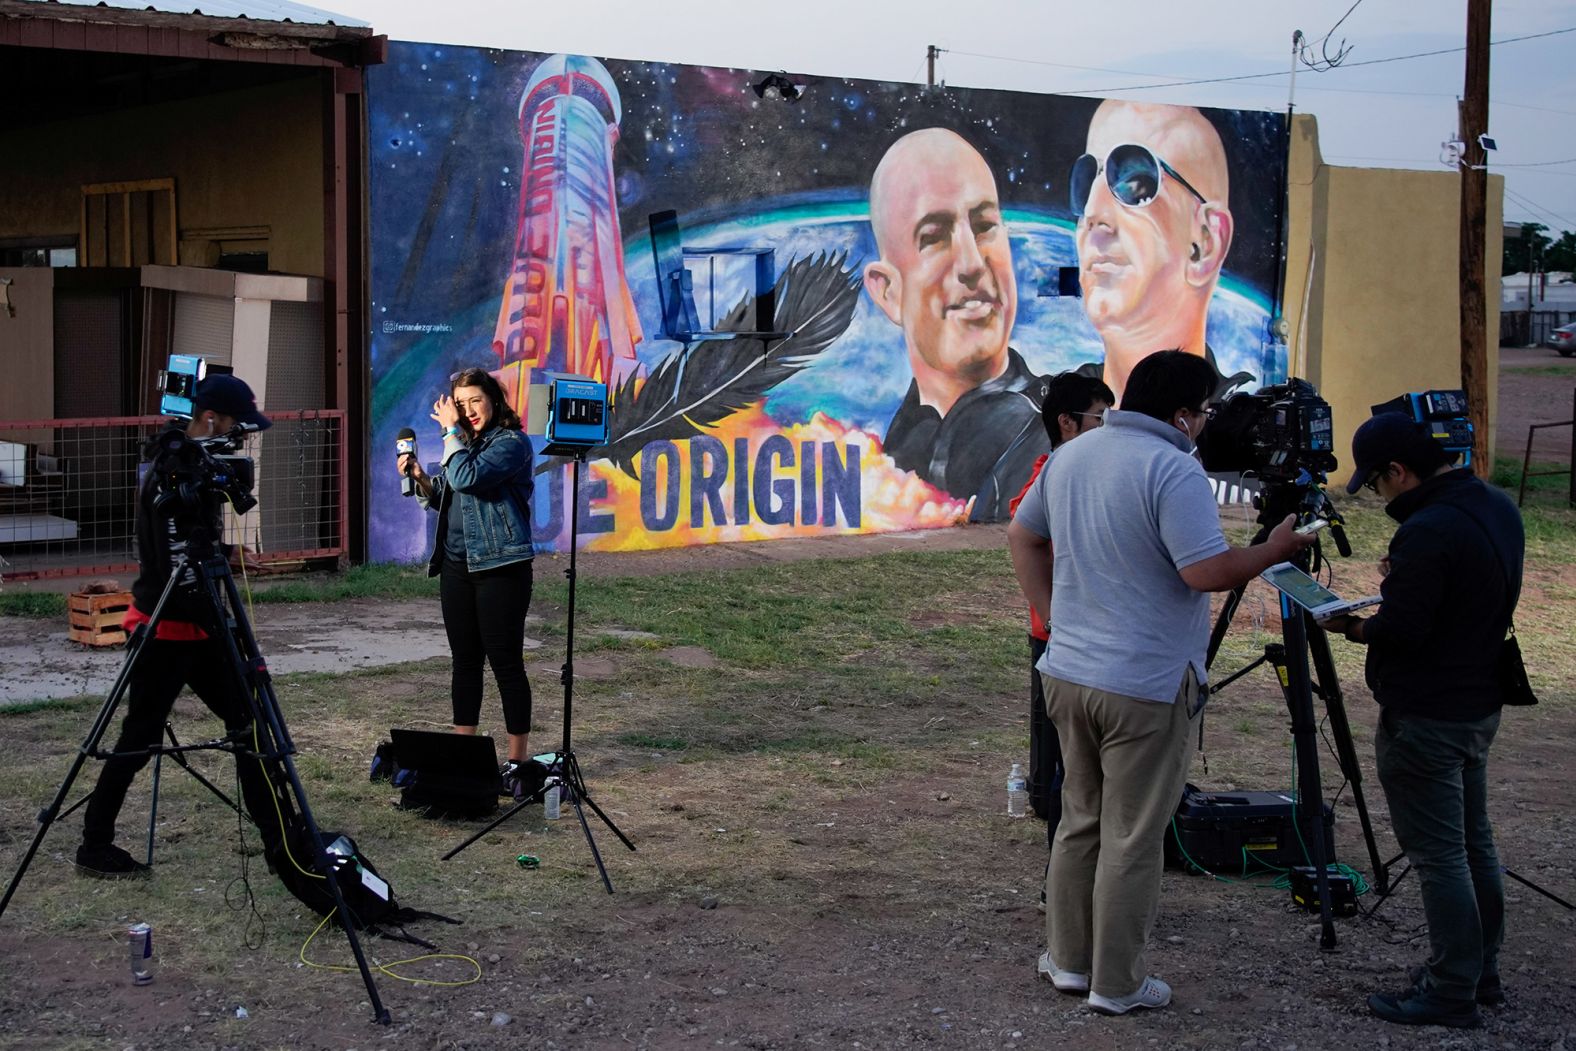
388, 968
1528, 203
1244, 76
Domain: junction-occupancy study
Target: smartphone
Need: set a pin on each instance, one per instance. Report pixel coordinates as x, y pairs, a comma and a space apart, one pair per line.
1312, 527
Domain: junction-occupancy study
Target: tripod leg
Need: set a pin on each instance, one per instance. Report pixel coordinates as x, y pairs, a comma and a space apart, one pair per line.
190, 769
90, 743
596, 855
1299, 696
534, 797
251, 680
582, 792
1335, 705
153, 805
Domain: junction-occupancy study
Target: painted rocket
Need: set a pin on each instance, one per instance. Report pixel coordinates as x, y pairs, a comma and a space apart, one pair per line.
566, 304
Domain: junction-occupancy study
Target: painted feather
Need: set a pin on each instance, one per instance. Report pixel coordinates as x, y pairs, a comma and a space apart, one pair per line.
697, 387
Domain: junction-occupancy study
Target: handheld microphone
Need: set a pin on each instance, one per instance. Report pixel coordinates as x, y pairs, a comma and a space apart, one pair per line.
405, 442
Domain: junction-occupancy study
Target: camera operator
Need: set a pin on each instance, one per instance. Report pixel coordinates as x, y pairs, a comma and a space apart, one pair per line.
182, 651
1124, 524
1452, 578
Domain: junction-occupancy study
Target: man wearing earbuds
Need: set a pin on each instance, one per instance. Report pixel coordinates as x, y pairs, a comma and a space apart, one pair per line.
1150, 195
1124, 524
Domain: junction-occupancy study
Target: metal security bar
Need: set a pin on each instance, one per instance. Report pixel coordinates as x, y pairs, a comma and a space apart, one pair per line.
68, 491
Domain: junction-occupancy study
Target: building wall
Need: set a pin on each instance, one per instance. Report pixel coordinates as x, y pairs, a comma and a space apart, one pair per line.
1382, 295
248, 169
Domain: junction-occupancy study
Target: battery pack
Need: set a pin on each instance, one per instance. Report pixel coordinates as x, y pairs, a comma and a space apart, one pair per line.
1305, 890
1227, 831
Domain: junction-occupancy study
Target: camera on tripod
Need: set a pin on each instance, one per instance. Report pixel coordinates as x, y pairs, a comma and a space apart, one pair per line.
199, 466
1283, 433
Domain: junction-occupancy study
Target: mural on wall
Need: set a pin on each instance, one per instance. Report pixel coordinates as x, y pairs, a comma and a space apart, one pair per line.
830, 313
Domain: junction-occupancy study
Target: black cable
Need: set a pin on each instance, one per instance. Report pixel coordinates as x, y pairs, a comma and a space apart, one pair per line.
255, 933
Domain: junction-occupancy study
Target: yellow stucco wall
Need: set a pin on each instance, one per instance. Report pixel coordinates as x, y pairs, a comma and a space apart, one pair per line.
1378, 311
241, 160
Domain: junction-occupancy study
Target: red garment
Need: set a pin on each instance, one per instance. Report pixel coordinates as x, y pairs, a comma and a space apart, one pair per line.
169, 630
1037, 626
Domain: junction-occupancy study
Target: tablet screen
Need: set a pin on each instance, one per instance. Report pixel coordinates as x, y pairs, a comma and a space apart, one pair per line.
1302, 588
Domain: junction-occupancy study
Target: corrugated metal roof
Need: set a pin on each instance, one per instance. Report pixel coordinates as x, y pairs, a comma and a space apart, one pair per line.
262, 10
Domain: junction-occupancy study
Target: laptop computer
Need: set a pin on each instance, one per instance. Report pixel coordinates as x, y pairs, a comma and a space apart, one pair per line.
1312, 595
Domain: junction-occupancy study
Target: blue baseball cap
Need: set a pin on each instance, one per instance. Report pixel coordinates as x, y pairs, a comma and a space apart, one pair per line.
1383, 439
229, 395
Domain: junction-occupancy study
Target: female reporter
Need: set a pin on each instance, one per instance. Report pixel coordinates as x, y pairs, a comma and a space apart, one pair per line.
482, 551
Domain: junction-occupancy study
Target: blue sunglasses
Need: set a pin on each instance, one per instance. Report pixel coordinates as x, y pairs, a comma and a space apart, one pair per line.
1132, 172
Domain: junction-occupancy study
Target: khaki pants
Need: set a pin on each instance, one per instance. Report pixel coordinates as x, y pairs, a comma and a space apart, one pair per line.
1125, 759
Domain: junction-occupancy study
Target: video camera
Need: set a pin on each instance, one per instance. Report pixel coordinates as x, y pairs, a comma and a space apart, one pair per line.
1443, 412
197, 466
1279, 434
1285, 437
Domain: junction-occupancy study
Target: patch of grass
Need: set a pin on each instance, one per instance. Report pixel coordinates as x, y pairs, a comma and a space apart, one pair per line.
651, 741
1507, 475
365, 581
42, 605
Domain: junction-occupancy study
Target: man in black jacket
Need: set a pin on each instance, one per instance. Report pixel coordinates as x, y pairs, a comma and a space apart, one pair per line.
183, 651
1452, 578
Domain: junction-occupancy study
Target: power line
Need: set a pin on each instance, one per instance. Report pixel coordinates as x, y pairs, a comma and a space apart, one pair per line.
1535, 207
1241, 76
1537, 164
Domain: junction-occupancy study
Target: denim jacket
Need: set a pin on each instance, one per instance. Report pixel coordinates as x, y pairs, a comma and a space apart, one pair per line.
493, 477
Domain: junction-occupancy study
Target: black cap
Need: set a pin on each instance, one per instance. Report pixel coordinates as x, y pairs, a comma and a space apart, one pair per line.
1383, 439
230, 396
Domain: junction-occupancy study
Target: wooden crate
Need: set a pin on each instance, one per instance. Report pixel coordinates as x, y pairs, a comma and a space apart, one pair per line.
95, 619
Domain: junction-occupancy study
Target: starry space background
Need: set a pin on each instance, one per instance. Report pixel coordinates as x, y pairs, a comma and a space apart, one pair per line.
445, 156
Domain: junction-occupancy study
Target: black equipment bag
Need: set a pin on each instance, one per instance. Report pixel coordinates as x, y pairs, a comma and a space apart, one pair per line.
293, 857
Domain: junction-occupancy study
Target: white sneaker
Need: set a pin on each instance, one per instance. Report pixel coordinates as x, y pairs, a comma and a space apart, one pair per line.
1065, 981
1153, 993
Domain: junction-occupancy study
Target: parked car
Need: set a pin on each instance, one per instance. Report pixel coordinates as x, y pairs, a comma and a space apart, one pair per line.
1563, 339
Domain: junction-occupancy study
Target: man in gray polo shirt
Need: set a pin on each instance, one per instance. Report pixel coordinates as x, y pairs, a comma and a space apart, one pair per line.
1124, 525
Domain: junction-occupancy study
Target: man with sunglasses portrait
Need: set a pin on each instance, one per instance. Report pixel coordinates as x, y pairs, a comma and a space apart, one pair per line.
1150, 196
970, 422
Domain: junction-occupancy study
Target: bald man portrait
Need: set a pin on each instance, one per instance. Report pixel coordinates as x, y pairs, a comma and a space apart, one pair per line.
1150, 194
970, 422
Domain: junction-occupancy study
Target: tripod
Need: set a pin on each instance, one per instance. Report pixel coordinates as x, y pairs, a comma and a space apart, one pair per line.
226, 621
1302, 637
569, 777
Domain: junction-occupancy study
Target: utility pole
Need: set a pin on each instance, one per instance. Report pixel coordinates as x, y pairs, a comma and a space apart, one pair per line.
1474, 207
931, 51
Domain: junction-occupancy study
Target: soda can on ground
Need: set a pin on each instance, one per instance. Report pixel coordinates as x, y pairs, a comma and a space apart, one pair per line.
140, 952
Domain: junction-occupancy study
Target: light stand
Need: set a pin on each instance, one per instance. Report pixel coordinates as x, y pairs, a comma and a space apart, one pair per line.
227, 622
569, 776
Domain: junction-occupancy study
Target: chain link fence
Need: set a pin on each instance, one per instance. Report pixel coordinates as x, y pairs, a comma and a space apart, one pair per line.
68, 492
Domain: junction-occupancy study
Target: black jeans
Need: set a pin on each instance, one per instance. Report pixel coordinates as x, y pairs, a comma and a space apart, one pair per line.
163, 667
484, 615
1045, 751
1435, 778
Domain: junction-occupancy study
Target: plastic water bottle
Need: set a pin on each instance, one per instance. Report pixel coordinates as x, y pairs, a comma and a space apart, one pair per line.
1017, 792
550, 807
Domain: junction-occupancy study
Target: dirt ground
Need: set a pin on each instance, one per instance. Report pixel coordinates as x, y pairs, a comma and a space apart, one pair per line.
1536, 385
867, 897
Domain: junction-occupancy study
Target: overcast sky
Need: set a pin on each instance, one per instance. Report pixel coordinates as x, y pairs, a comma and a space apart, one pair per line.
1387, 114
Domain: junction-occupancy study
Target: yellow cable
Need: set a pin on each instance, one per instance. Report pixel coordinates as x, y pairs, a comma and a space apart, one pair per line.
387, 968
285, 840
